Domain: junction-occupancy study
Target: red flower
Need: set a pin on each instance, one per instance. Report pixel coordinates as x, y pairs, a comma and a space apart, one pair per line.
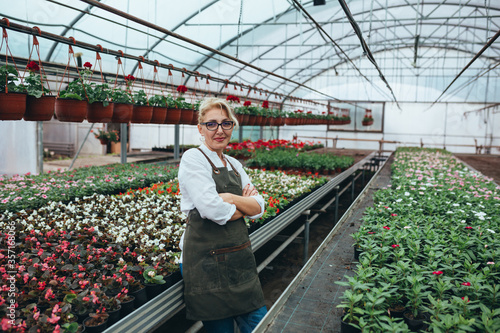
467, 299
437, 272
87, 65
265, 104
395, 245
309, 112
394, 214
182, 89
247, 103
371, 232
232, 98
33, 67
129, 77
468, 227
466, 284
387, 228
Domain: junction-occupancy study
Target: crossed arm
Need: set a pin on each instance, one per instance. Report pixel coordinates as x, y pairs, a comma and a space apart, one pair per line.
245, 204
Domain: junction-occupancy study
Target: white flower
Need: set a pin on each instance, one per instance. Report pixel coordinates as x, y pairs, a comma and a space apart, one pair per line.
407, 193
493, 232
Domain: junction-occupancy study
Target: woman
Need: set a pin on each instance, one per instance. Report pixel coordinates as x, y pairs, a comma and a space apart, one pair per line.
221, 284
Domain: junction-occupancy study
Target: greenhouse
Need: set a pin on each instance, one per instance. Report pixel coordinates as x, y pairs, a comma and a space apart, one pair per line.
250, 166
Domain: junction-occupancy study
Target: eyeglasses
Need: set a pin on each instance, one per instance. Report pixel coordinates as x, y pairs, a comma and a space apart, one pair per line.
213, 126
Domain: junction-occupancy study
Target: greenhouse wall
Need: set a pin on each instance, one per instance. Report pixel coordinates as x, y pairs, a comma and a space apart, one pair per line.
19, 147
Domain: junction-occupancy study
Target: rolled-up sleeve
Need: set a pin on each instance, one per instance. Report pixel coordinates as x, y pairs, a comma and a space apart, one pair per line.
196, 183
246, 180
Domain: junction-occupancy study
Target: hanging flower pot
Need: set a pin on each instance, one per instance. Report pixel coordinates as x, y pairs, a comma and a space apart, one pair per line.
12, 106
240, 117
39, 109
186, 116
141, 114
70, 110
98, 113
259, 120
195, 118
159, 115
245, 119
173, 116
251, 120
122, 113
104, 141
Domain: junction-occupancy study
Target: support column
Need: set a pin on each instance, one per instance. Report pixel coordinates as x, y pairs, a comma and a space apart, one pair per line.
353, 184
306, 235
123, 143
39, 127
337, 203
176, 141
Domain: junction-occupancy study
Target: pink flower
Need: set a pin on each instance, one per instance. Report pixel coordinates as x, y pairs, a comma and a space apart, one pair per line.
371, 232
36, 315
490, 263
53, 319
394, 214
5, 324
85, 299
387, 228
395, 245
466, 284
57, 329
468, 227
437, 272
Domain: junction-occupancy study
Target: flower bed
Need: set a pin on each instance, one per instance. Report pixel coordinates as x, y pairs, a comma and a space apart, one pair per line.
83, 255
33, 191
292, 160
245, 149
430, 245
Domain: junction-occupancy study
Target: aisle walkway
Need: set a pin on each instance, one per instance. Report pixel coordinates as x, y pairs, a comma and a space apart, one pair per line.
96, 160
312, 305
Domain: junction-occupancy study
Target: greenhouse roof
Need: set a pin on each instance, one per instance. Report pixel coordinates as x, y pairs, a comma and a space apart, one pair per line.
419, 46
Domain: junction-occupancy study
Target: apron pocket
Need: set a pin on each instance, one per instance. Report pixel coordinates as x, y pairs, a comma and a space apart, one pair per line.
240, 266
204, 275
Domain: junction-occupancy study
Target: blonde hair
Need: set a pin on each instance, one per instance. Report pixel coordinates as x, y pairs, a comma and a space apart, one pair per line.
217, 103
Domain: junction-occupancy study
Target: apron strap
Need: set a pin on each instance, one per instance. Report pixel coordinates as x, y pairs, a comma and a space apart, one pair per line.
214, 168
234, 169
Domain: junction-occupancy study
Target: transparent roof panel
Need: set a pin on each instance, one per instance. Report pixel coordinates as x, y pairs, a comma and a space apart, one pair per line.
419, 46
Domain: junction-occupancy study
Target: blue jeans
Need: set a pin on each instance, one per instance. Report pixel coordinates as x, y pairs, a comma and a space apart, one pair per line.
246, 322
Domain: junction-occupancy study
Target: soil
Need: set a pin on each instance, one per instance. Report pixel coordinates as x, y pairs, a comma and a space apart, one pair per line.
488, 165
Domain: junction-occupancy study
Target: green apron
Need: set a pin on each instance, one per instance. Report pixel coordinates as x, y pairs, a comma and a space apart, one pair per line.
219, 270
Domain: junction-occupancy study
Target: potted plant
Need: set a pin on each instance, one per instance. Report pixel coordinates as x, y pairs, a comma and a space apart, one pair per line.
415, 316
97, 322
154, 282
12, 103
105, 137
367, 121
112, 306
122, 112
142, 111
243, 113
126, 302
72, 103
81, 304
196, 109
39, 105
159, 103
187, 112
100, 110
173, 111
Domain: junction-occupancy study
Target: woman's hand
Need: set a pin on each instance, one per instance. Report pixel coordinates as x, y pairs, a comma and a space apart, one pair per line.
249, 190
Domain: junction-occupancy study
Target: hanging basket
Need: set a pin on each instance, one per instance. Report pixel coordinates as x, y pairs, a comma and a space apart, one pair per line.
240, 118
367, 123
251, 120
141, 114
195, 118
39, 109
98, 113
70, 110
159, 115
122, 113
186, 116
173, 116
12, 106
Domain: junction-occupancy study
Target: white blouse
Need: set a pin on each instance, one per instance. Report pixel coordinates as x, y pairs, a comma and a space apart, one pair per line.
198, 188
